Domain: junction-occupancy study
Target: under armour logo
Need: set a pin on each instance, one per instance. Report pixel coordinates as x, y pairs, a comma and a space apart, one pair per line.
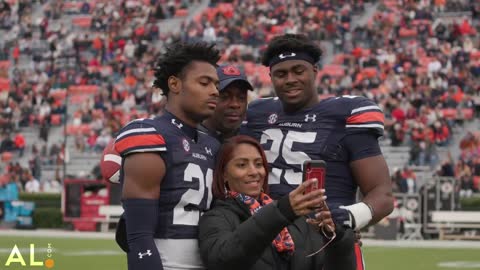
282, 56
209, 151
179, 125
141, 255
311, 118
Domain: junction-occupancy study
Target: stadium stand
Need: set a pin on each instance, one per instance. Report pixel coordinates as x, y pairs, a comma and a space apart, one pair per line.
73, 72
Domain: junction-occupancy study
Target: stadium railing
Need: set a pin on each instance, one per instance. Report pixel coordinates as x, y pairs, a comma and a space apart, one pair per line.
448, 220
112, 214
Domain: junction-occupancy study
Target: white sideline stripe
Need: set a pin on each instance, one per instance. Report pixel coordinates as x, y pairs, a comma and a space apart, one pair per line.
93, 253
372, 107
101, 252
420, 243
113, 158
135, 130
26, 250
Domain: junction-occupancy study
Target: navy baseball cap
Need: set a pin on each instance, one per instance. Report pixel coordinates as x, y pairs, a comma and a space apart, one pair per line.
228, 74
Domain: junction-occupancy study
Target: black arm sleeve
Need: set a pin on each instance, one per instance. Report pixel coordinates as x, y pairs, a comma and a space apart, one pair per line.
141, 216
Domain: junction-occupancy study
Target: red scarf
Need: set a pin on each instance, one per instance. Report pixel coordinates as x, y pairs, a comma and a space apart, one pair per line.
283, 242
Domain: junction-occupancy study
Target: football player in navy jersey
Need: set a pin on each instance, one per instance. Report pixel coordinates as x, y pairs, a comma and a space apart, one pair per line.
232, 103
343, 131
168, 164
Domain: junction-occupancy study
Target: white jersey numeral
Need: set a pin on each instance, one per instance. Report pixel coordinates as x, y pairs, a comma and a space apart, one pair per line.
282, 147
193, 196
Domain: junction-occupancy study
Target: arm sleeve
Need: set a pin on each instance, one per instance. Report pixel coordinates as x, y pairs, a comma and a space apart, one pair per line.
225, 247
362, 145
141, 216
139, 137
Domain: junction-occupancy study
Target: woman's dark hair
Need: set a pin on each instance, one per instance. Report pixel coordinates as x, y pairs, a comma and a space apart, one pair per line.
225, 155
179, 56
291, 43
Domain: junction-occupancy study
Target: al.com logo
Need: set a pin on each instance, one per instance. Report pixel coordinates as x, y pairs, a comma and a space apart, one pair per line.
33, 259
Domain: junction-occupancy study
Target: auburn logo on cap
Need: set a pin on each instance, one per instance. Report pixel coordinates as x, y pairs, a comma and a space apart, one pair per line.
231, 71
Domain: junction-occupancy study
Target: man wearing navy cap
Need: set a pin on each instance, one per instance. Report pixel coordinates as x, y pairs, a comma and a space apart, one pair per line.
232, 103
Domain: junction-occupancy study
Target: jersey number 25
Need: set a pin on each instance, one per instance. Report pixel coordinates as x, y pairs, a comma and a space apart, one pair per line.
282, 147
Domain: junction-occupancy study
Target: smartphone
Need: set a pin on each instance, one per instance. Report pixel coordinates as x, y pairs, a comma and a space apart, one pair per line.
314, 169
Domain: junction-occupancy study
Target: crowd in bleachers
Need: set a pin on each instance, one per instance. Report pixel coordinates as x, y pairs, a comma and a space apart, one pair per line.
95, 58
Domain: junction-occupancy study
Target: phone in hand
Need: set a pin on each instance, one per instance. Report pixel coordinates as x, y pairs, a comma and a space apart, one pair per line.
314, 169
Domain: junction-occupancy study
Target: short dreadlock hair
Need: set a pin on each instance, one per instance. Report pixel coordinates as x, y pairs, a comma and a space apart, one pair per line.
178, 56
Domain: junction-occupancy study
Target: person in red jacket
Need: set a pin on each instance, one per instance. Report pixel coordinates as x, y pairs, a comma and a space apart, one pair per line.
19, 141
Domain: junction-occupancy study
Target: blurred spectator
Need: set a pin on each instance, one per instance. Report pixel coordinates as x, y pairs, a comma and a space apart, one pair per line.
32, 185
51, 186
19, 143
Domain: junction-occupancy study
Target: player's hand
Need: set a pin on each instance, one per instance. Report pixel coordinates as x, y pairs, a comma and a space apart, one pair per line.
323, 218
304, 204
358, 237
342, 217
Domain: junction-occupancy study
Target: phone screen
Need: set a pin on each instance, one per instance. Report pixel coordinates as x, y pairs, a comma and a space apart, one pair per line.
314, 169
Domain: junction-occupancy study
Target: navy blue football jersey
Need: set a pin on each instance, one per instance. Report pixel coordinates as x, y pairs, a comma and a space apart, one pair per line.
315, 133
189, 156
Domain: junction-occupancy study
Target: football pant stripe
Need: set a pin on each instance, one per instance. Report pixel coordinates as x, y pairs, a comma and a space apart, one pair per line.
366, 117
138, 141
359, 257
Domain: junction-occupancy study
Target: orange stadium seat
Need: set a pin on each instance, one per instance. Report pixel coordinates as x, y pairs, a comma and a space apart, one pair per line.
181, 12
406, 33
333, 70
475, 55
467, 113
83, 89
4, 64
249, 68
7, 157
449, 113
476, 182
4, 84
77, 99
55, 119
419, 22
369, 72
84, 22
59, 94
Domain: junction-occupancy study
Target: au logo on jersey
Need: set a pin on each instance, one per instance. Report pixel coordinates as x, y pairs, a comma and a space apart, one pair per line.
272, 119
186, 145
310, 118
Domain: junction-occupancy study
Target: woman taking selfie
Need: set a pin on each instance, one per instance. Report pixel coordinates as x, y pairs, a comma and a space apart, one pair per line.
245, 229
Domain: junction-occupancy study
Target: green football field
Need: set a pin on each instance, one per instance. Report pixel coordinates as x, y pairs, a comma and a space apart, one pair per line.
93, 254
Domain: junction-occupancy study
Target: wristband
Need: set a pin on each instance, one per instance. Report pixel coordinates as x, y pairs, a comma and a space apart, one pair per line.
361, 213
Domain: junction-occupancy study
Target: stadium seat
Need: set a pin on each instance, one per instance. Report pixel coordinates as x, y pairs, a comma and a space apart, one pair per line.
83, 89
7, 156
83, 22
55, 119
181, 12
407, 33
4, 84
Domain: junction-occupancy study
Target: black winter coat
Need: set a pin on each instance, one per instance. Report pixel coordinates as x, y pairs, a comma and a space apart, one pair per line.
231, 238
